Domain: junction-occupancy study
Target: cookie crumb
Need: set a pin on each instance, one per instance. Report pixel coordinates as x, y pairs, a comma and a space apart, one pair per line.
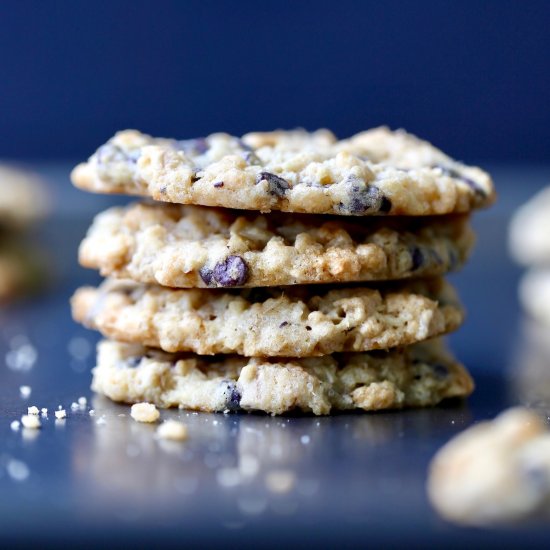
91, 412
61, 414
101, 421
82, 402
173, 430
25, 391
31, 421
15, 425
74, 406
144, 412
33, 410
44, 411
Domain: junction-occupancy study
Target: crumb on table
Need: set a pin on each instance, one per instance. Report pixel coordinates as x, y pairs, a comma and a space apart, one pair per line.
144, 412
31, 421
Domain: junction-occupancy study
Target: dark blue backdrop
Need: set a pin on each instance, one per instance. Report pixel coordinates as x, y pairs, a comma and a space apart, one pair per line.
474, 77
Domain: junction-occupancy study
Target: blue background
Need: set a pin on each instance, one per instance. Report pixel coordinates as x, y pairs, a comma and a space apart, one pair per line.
473, 77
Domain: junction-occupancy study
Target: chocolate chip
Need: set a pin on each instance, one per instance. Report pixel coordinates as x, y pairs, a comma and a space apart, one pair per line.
283, 324
218, 184
251, 158
440, 371
197, 146
206, 275
308, 327
452, 173
367, 198
277, 186
232, 271
232, 395
417, 258
133, 362
109, 153
385, 206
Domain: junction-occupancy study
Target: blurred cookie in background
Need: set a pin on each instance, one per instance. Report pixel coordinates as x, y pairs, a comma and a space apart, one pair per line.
529, 238
494, 472
534, 294
22, 268
529, 375
23, 197
23, 201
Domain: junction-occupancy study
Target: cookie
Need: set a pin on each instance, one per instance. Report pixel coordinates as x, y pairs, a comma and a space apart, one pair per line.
193, 246
292, 321
529, 237
377, 172
416, 376
534, 294
495, 471
23, 199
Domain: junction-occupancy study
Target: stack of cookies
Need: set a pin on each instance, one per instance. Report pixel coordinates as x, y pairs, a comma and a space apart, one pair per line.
278, 271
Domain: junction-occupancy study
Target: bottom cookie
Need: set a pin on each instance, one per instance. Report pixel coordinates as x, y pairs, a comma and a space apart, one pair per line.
420, 375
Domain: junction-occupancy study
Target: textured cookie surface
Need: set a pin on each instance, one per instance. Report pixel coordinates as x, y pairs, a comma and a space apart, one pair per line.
495, 471
292, 322
534, 294
375, 172
420, 375
193, 246
22, 197
530, 231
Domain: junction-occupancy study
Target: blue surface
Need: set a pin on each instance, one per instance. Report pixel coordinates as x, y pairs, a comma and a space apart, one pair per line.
358, 480
472, 77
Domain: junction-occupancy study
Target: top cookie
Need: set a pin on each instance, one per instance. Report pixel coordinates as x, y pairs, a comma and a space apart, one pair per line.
377, 172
